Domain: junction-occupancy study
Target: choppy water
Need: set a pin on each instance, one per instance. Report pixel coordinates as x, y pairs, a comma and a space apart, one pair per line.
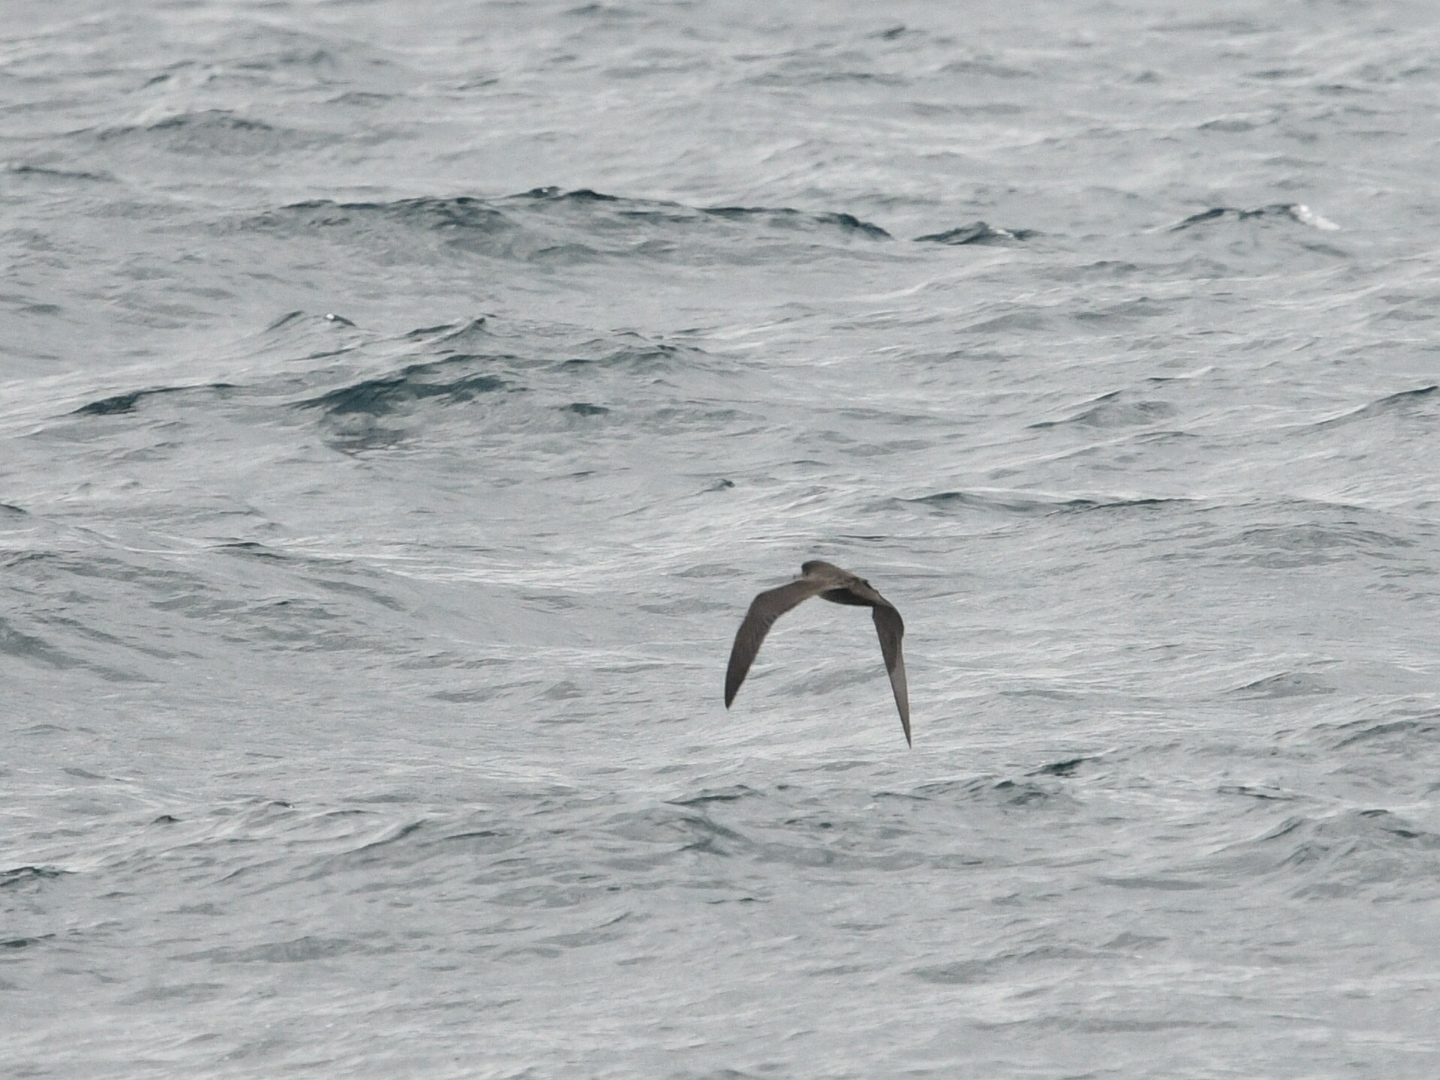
401, 403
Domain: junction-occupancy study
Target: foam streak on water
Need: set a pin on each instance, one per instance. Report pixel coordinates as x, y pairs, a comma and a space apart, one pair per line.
400, 404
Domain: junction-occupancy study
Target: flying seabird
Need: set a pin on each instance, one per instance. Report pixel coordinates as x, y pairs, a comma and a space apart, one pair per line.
839, 587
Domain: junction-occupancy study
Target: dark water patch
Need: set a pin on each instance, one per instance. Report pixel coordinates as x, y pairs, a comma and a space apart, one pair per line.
1131, 941
389, 851
1025, 321
1103, 268
407, 229
1125, 1025
1068, 767
566, 254
547, 895
26, 306
1284, 685
120, 403
1026, 503
959, 973
252, 548
25, 646
965, 972
423, 333
1024, 794
977, 232
361, 592
300, 950
839, 849
711, 570
1114, 410
689, 606
126, 403
215, 131
416, 382
550, 226
42, 729
11, 508
679, 830
424, 214
1264, 794
302, 54
598, 935
455, 337
365, 99
725, 1073
708, 795
1157, 884
25, 942
478, 841
360, 435
58, 174
601, 11
1294, 546
555, 195
638, 357
986, 68
1402, 736
1236, 27
564, 690
28, 875
1139, 308
1406, 403
670, 215
1235, 125
1294, 212
1281, 73
182, 993
472, 696
879, 78
786, 218
301, 335
395, 836
1343, 854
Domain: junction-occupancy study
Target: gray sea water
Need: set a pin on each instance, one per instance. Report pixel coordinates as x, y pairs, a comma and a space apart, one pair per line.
401, 403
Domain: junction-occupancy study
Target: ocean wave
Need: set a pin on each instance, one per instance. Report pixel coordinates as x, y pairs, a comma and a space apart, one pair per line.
1404, 403
548, 225
1347, 853
1026, 502
1115, 409
214, 131
1296, 212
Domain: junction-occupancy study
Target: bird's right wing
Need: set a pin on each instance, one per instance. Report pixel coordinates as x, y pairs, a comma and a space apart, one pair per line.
764, 610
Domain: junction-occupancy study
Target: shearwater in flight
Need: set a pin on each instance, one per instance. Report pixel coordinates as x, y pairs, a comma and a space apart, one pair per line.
839, 587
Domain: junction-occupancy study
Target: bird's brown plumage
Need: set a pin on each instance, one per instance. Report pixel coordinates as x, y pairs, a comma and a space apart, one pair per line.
839, 587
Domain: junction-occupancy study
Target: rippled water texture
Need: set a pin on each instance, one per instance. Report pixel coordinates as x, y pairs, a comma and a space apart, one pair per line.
401, 403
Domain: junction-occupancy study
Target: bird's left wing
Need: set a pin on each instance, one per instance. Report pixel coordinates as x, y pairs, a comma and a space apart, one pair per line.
891, 629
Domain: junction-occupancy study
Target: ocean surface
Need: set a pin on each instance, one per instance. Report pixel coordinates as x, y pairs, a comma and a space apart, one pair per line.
400, 405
